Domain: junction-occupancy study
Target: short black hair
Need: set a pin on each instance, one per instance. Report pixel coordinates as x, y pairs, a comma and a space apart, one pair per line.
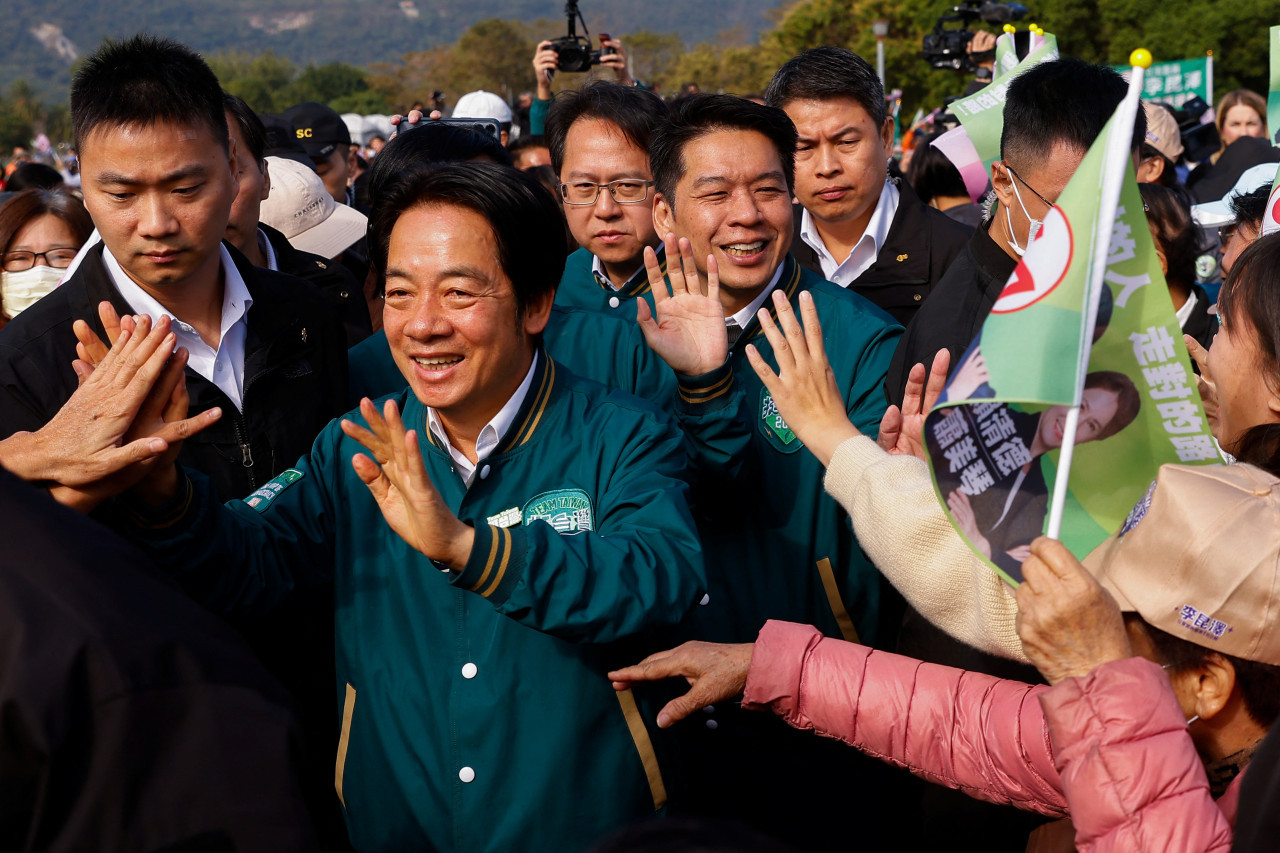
824, 73
1249, 208
145, 80
931, 173
1064, 100
1169, 215
431, 142
697, 115
528, 226
33, 176
251, 127
526, 140
636, 112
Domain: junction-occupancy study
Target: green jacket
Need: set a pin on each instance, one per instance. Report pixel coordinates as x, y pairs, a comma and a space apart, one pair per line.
475, 710
777, 546
579, 287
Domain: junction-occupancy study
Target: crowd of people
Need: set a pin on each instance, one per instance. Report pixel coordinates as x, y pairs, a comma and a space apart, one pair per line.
555, 479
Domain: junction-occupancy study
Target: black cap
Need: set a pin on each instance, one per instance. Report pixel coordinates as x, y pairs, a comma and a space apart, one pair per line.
281, 140
317, 128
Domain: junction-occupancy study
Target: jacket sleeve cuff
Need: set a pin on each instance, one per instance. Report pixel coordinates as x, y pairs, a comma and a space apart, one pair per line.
706, 391
168, 515
496, 563
850, 462
777, 664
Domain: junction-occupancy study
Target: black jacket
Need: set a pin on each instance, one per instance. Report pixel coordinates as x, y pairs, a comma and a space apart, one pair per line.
295, 369
332, 278
954, 314
920, 246
134, 719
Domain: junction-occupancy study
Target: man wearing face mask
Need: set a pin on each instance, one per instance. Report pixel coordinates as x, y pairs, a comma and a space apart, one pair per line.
1052, 114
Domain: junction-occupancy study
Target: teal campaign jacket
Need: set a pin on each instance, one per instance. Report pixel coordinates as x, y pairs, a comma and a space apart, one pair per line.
777, 545
476, 715
580, 289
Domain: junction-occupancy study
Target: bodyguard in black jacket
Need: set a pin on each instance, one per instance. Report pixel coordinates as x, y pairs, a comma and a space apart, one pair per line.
920, 247
295, 372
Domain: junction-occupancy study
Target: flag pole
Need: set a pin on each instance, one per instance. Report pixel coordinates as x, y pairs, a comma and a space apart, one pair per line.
1119, 144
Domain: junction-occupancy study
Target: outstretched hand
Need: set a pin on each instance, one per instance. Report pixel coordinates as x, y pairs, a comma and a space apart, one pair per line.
127, 419
686, 327
1069, 624
398, 480
804, 388
902, 429
715, 672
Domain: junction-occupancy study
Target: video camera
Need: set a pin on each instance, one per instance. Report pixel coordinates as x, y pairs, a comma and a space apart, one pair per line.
573, 51
948, 47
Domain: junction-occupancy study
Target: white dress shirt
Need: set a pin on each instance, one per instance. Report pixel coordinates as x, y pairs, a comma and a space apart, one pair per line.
490, 437
865, 250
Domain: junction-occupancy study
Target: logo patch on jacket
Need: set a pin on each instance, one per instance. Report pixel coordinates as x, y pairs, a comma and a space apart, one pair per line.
774, 427
567, 510
262, 498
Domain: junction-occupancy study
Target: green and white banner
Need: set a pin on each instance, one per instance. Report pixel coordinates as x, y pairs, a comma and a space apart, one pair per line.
1084, 322
1174, 83
1273, 99
982, 113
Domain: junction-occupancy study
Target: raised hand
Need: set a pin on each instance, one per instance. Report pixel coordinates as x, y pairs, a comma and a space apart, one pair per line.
127, 417
715, 672
399, 483
1067, 622
902, 429
1208, 390
804, 388
617, 61
89, 347
686, 327
545, 63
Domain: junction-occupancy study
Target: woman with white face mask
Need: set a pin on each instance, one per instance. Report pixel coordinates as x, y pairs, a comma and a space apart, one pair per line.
40, 233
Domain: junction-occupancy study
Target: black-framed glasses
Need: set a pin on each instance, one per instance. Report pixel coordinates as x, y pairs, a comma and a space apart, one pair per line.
59, 258
1028, 186
624, 191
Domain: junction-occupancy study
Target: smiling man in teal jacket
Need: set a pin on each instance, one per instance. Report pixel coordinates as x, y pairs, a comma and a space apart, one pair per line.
527, 535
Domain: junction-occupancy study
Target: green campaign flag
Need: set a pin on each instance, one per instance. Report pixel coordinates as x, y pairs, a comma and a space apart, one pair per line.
1176, 82
1085, 321
982, 113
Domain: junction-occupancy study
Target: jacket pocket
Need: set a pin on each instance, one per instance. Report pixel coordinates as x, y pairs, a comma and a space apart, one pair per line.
348, 708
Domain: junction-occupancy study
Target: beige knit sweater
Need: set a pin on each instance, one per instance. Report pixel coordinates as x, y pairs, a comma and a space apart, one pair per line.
901, 526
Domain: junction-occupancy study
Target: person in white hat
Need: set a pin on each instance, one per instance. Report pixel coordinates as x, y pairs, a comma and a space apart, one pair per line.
482, 104
303, 210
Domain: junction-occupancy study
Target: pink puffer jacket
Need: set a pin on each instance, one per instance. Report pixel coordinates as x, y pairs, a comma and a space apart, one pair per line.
1110, 748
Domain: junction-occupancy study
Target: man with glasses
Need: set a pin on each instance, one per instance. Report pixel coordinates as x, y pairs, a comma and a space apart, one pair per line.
1052, 114
599, 141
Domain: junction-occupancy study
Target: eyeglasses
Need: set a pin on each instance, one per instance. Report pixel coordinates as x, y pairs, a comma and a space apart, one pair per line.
625, 191
59, 258
1028, 186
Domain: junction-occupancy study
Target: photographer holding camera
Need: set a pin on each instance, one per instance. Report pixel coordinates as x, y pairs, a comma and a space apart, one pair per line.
572, 53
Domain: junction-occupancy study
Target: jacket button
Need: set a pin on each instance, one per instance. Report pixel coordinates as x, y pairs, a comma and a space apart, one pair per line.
713, 725
469, 670
614, 302
466, 774
343, 294
917, 297
706, 599
484, 472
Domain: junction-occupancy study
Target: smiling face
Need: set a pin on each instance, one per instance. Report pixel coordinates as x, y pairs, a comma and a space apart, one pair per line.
841, 159
1241, 120
160, 196
1098, 407
597, 151
1246, 394
732, 204
451, 316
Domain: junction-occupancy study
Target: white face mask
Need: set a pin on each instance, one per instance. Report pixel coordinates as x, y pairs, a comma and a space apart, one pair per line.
1035, 223
20, 290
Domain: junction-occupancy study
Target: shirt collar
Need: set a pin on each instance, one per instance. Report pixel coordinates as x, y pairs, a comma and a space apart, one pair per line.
868, 245
492, 433
236, 300
268, 251
743, 317
602, 278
